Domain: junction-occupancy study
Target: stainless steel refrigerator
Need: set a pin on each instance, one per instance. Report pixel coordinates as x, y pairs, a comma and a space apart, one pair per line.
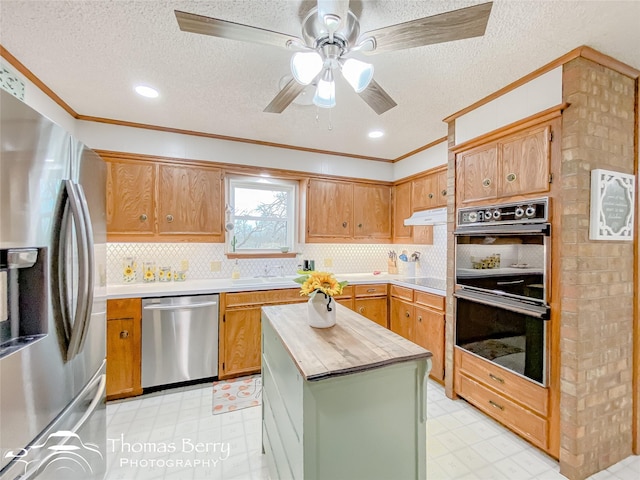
52, 300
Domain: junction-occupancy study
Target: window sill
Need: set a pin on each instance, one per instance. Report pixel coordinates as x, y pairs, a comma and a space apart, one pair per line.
232, 256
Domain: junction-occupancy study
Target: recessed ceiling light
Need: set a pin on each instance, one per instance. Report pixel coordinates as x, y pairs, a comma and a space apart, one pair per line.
376, 133
146, 91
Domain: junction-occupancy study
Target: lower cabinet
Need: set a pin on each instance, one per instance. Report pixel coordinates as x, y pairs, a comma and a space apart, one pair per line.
515, 402
124, 318
420, 317
340, 427
240, 329
371, 302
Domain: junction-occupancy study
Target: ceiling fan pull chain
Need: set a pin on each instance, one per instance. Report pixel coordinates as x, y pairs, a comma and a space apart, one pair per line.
330, 120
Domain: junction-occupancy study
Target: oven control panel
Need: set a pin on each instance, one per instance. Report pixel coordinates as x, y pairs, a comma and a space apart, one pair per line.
531, 211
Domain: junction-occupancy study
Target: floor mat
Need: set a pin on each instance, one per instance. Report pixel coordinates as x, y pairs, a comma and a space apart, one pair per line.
237, 393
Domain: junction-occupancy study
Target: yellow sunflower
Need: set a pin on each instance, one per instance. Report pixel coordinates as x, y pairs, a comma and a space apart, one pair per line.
323, 282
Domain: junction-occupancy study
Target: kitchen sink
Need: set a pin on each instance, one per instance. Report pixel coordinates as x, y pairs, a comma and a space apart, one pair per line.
263, 280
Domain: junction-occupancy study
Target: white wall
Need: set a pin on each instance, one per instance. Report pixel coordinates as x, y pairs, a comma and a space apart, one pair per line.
539, 94
421, 161
136, 140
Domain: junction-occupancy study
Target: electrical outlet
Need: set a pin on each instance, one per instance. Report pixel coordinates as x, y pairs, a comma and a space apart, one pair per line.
216, 266
184, 265
328, 262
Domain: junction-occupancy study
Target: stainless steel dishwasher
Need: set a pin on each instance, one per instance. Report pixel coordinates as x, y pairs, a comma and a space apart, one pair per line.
179, 339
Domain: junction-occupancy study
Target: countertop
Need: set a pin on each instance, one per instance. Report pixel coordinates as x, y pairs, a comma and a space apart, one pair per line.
353, 344
198, 287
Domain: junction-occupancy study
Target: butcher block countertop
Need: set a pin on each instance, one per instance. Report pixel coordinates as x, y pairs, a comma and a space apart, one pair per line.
353, 345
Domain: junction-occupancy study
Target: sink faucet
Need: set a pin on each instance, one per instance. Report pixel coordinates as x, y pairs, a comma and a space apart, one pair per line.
268, 268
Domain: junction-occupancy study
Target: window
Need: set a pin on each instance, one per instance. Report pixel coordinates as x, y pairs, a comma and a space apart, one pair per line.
262, 213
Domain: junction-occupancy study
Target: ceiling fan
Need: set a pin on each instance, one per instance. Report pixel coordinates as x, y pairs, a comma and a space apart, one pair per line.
331, 39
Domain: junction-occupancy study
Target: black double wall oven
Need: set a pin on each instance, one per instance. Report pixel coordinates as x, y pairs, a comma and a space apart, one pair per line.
502, 290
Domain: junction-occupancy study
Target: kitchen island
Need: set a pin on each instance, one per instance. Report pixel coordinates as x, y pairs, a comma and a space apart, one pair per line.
346, 402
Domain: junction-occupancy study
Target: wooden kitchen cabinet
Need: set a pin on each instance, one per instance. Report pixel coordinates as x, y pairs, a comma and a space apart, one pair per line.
124, 317
154, 201
401, 211
517, 164
371, 302
240, 328
510, 399
402, 318
131, 198
525, 164
372, 211
430, 191
420, 317
241, 355
190, 200
347, 212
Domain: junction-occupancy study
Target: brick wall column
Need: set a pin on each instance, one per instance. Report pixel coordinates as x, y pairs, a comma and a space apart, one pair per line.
597, 277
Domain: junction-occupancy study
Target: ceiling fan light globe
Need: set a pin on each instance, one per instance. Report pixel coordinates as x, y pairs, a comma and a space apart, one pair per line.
325, 96
305, 66
358, 74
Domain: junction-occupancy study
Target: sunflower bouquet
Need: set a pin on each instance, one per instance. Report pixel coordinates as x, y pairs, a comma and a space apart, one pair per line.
323, 282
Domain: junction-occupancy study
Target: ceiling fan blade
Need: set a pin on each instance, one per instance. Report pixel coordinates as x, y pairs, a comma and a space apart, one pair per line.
190, 22
377, 98
454, 25
284, 98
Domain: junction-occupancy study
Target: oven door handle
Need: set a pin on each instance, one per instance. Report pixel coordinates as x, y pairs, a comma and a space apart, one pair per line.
515, 282
536, 311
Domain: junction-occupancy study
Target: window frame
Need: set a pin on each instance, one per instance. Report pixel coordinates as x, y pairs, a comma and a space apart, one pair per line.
262, 183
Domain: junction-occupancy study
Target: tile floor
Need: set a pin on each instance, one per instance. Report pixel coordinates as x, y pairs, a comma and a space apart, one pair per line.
173, 435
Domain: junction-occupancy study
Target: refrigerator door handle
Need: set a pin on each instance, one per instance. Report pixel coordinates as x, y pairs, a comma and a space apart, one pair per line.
86, 288
82, 306
98, 397
59, 281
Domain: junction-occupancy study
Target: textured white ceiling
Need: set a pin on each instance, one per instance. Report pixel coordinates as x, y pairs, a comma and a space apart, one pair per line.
92, 53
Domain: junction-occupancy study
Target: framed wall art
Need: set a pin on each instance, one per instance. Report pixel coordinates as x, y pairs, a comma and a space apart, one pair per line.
612, 205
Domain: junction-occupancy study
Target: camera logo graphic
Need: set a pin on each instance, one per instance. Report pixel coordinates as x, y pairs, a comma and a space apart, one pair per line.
63, 455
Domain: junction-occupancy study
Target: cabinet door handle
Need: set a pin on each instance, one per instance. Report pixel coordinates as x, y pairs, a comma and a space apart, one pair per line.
420, 318
407, 314
359, 225
431, 195
497, 379
511, 177
444, 193
169, 218
124, 334
486, 182
361, 310
143, 217
495, 405
344, 224
371, 290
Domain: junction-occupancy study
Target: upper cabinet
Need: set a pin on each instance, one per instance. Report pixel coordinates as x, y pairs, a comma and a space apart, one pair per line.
422, 193
347, 212
430, 191
517, 164
157, 201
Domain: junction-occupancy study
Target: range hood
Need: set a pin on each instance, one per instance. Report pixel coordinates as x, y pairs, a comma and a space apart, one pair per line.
435, 216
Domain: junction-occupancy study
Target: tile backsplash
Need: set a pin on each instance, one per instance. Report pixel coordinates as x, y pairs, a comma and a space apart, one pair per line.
343, 258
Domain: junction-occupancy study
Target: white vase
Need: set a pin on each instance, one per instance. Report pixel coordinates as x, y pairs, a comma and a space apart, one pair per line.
322, 311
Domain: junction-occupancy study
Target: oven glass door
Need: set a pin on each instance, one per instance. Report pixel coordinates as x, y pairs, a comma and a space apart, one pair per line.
503, 262
511, 339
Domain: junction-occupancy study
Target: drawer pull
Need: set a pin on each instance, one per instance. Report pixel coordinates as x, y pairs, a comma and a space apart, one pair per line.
486, 182
124, 334
407, 314
169, 218
361, 310
511, 177
371, 290
344, 224
431, 195
497, 379
143, 217
495, 405
420, 318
